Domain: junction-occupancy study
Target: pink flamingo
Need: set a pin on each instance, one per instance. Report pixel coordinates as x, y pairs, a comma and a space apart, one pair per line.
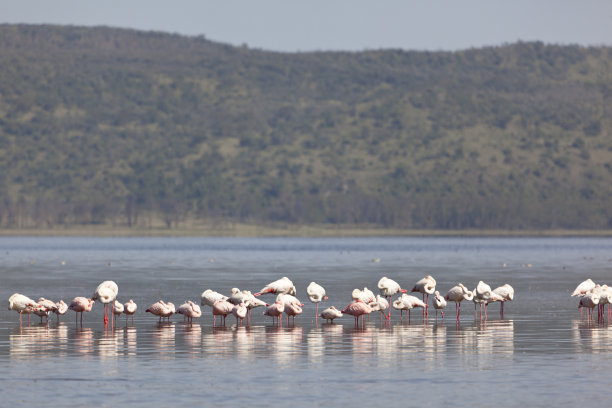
408, 302
221, 308
380, 304
357, 308
275, 310
81, 304
159, 308
293, 309
283, 285
189, 310
439, 303
240, 312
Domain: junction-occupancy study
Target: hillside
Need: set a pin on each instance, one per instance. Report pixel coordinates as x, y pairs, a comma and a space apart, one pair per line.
112, 126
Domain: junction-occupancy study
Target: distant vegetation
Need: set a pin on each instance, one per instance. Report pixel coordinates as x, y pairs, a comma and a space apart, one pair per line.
127, 128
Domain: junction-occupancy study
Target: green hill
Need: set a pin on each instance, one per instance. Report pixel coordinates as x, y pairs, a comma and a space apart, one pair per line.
112, 126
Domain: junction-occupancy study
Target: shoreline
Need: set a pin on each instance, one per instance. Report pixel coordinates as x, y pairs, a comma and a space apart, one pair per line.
248, 230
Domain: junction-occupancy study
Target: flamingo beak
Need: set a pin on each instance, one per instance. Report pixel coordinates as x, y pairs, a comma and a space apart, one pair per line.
325, 298
404, 290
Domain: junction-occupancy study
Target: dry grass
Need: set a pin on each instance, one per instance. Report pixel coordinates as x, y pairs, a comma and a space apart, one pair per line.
286, 230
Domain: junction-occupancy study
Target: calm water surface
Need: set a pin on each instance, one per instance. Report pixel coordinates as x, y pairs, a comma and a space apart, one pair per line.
539, 353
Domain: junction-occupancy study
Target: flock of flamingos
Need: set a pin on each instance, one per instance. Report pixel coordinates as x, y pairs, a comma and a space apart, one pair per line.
240, 303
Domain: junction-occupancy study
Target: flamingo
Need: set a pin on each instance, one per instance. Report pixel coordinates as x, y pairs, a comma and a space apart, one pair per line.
357, 308
365, 295
81, 304
316, 293
388, 288
221, 308
289, 301
170, 310
61, 309
584, 287
380, 304
275, 310
237, 297
22, 304
239, 311
506, 292
106, 292
189, 310
159, 308
484, 295
118, 308
47, 307
408, 302
439, 303
331, 313
458, 294
209, 297
251, 303
590, 300
293, 309
283, 285
129, 308
426, 286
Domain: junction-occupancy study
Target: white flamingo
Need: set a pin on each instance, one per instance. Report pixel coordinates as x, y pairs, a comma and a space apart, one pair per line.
129, 309
331, 313
584, 287
439, 303
458, 294
506, 292
388, 288
316, 294
106, 293
22, 304
283, 285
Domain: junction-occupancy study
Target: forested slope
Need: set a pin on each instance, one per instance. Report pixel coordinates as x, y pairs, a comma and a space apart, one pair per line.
102, 125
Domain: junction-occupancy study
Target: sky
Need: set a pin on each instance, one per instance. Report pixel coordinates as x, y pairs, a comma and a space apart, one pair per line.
355, 25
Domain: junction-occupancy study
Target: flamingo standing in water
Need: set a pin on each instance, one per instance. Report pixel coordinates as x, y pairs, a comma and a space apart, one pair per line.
221, 308
275, 310
159, 309
61, 309
316, 293
209, 297
118, 308
106, 293
439, 303
129, 308
48, 306
22, 304
426, 286
290, 302
283, 285
380, 304
458, 294
357, 308
240, 312
251, 303
506, 292
81, 304
485, 295
590, 300
331, 313
388, 288
189, 310
408, 302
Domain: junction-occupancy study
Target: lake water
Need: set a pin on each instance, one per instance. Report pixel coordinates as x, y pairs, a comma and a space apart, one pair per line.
540, 352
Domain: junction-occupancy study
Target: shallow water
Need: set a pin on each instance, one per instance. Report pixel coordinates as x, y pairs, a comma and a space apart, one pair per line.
539, 353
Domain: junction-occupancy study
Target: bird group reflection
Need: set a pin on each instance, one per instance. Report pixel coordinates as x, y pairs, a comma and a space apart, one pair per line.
282, 344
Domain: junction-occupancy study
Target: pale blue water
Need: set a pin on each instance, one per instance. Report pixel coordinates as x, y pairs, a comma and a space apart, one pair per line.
540, 353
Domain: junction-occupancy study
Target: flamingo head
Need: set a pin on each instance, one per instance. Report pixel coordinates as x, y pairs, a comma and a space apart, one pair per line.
403, 290
325, 298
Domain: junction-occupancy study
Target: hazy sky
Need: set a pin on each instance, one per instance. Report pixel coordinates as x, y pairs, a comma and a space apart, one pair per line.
285, 25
